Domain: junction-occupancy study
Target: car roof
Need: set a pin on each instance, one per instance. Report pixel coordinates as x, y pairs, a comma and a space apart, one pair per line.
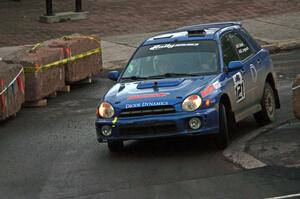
191, 33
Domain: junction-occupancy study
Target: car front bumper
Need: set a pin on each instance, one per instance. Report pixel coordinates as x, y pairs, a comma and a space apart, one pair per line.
157, 126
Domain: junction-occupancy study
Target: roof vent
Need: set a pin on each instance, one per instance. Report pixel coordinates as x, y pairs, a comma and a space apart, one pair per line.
196, 33
169, 35
163, 37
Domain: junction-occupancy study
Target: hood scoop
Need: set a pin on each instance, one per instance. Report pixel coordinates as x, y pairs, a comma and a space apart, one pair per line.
160, 83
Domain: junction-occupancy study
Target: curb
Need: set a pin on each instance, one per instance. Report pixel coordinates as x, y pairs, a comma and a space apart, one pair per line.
237, 151
280, 46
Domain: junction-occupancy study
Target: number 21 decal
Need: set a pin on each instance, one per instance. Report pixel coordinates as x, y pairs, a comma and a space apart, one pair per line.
239, 87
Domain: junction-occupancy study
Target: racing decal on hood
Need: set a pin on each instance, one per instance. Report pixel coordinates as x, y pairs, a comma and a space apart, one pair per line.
151, 95
145, 104
239, 88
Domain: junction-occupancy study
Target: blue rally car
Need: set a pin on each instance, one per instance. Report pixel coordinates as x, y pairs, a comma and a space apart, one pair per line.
195, 80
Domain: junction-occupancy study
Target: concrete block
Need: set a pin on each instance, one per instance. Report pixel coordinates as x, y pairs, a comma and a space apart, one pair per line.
74, 45
64, 16
40, 82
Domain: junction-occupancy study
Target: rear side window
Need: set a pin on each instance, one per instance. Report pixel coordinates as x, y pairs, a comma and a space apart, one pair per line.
229, 53
255, 44
242, 48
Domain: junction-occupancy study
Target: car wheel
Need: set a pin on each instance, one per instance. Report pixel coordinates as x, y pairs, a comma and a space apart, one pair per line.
268, 104
223, 135
115, 146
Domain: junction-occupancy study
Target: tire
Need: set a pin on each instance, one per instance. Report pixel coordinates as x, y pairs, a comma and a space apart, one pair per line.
231, 122
115, 146
268, 104
223, 135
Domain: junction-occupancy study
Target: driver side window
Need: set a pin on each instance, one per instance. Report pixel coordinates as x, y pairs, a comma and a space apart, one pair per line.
229, 52
241, 46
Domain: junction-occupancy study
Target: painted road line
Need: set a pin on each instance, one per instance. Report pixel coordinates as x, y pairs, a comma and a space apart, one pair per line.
286, 196
296, 87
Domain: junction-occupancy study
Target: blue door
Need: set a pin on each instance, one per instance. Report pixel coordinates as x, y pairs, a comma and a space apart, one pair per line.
249, 58
234, 48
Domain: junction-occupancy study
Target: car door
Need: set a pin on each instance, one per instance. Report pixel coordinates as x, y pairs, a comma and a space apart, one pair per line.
238, 80
249, 58
262, 61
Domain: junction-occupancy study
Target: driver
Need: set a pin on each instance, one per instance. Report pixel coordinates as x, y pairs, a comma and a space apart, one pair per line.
162, 65
208, 64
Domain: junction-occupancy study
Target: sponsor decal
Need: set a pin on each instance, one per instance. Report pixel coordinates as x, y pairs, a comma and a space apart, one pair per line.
151, 95
211, 88
239, 45
169, 46
146, 104
239, 88
243, 50
216, 85
253, 73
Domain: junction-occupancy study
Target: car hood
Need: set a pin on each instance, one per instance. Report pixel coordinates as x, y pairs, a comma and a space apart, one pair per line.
155, 92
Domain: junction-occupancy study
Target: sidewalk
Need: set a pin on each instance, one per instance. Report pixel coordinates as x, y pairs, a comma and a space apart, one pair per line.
19, 19
267, 30
4, 51
279, 32
279, 146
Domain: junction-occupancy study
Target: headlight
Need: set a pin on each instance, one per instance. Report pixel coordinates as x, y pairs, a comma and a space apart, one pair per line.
106, 110
191, 103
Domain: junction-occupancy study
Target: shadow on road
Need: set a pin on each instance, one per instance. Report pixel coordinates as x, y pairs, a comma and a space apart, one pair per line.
182, 145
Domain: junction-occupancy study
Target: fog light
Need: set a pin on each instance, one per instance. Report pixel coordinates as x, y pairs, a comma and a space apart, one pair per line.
106, 130
195, 123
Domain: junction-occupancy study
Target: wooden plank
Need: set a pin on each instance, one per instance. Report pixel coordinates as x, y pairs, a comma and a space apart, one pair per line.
65, 89
53, 95
39, 103
88, 80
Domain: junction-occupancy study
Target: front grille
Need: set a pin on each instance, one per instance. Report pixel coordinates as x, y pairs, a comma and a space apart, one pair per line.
148, 130
153, 110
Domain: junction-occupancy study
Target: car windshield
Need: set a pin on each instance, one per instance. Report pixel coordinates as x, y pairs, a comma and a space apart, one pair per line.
173, 60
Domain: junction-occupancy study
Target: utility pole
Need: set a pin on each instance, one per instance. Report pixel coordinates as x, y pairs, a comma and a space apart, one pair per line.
78, 6
49, 8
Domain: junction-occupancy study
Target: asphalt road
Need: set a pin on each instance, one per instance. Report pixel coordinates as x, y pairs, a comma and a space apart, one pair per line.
52, 152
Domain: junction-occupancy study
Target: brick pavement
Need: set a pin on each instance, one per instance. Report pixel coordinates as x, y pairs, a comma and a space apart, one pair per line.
19, 24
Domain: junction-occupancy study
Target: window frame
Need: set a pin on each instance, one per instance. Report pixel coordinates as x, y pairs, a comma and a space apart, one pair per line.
225, 34
255, 45
240, 36
253, 52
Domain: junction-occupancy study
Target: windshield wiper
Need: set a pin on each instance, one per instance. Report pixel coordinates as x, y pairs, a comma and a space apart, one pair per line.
134, 78
173, 75
166, 75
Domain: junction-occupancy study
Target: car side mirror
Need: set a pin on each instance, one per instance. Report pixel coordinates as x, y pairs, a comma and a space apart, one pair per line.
114, 75
235, 65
